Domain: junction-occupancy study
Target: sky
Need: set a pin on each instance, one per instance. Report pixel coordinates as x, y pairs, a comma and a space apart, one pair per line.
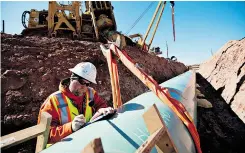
199, 26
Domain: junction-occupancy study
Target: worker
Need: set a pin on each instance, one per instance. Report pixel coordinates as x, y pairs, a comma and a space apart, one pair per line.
75, 103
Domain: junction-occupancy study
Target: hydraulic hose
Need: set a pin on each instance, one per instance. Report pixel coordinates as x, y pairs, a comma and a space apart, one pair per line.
23, 17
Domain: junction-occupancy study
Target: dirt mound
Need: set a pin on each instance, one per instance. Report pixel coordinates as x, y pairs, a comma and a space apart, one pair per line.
226, 73
32, 67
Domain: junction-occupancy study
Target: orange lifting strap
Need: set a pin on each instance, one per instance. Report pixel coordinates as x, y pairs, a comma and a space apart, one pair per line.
161, 93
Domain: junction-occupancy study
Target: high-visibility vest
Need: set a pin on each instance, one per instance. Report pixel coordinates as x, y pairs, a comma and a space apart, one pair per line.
67, 110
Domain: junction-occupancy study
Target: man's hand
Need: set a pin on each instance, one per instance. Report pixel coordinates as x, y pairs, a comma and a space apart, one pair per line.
78, 122
108, 110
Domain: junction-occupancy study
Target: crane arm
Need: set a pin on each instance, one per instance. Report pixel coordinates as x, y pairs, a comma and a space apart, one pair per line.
172, 6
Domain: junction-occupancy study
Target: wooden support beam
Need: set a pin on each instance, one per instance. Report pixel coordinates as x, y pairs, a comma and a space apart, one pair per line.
94, 146
159, 134
28, 133
151, 141
42, 140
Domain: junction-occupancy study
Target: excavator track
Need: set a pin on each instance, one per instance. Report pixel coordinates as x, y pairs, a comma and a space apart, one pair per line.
42, 31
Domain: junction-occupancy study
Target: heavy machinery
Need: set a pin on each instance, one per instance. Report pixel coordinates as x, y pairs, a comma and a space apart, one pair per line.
141, 40
96, 23
155, 51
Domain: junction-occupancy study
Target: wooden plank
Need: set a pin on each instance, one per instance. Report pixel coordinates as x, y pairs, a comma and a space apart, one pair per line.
21, 136
43, 139
94, 146
154, 122
151, 141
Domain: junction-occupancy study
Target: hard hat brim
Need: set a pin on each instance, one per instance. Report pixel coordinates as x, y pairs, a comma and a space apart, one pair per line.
74, 71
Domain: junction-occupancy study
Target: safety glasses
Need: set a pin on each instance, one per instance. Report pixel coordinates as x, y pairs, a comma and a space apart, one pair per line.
82, 81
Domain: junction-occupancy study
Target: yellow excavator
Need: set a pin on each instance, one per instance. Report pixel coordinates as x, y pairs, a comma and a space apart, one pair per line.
96, 23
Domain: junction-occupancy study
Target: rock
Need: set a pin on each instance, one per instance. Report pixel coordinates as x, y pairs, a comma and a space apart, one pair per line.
34, 109
41, 69
50, 55
15, 97
10, 73
48, 62
226, 73
19, 116
12, 80
40, 57
25, 71
204, 103
30, 71
7, 119
40, 62
198, 91
42, 53
46, 76
42, 92
200, 95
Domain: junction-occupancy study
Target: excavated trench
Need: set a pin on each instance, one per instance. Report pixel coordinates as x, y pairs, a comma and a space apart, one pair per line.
219, 128
31, 68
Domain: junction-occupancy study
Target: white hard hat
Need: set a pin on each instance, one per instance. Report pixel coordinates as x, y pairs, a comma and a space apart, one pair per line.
85, 70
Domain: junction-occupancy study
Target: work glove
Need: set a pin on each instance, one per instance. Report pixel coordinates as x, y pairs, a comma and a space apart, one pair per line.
78, 122
108, 110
